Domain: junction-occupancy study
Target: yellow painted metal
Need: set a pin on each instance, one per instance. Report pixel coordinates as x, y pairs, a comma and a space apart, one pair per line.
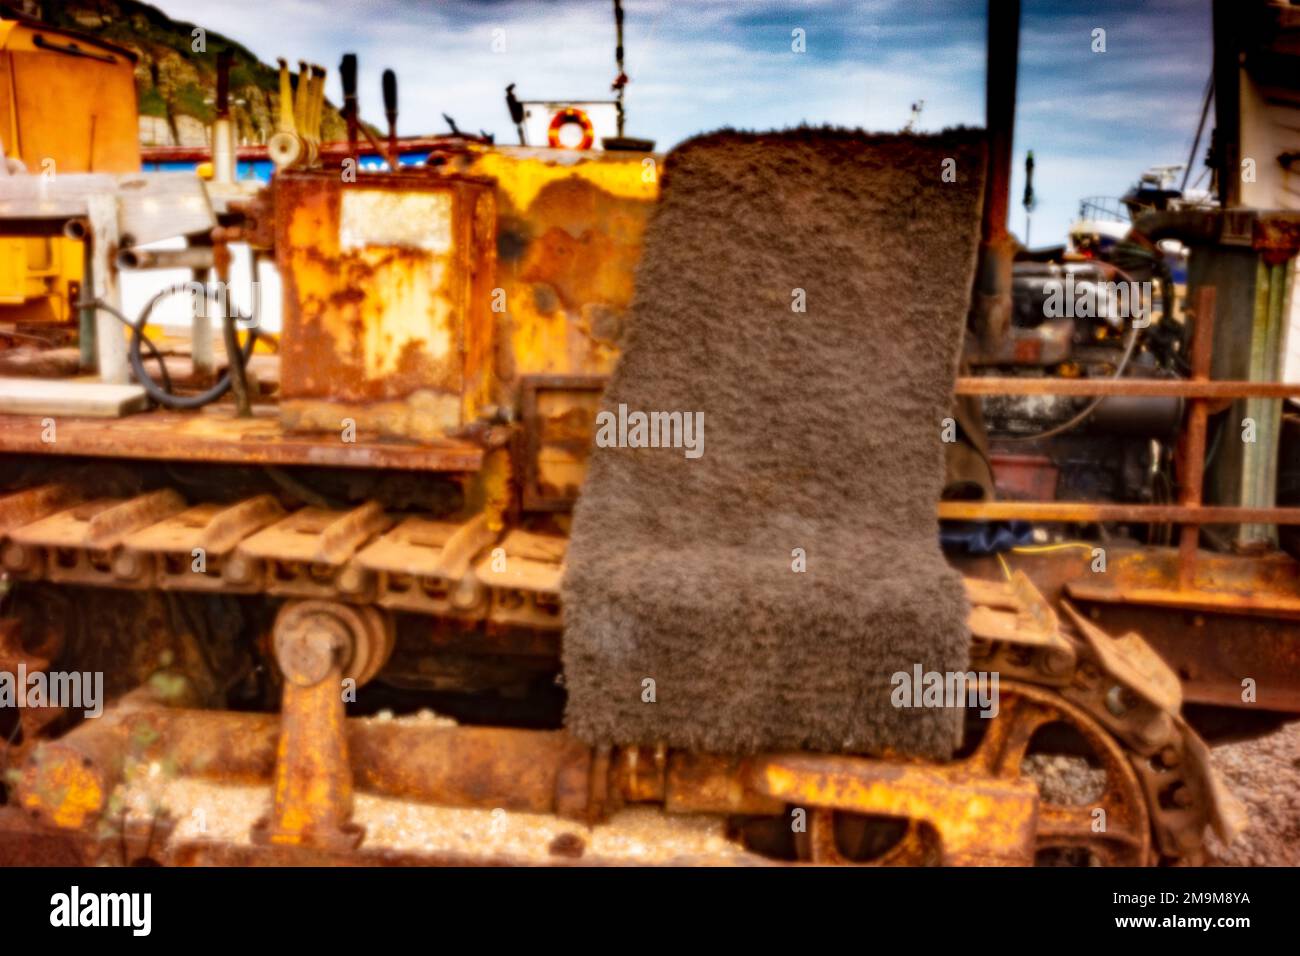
59, 113
77, 112
416, 301
70, 795
570, 229
980, 820
38, 277
312, 801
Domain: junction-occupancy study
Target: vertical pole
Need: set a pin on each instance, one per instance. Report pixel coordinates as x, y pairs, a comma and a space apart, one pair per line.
86, 334
348, 74
230, 335
1193, 444
110, 337
302, 97
992, 302
1259, 469
201, 352
1226, 19
223, 134
618, 58
390, 113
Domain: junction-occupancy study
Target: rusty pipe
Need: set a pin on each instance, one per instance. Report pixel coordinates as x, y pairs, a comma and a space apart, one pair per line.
1089, 512
68, 782
77, 228
191, 257
1150, 387
1191, 450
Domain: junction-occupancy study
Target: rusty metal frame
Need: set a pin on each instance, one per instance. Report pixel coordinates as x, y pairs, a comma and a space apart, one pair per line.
216, 436
529, 387
1199, 391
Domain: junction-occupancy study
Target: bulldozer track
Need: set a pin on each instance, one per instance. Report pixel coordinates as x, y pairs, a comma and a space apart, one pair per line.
1114, 694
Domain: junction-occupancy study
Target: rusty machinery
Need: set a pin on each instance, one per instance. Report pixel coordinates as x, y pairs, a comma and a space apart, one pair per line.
42, 270
385, 521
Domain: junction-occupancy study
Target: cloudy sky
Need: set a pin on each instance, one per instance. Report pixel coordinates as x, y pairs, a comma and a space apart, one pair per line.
1094, 120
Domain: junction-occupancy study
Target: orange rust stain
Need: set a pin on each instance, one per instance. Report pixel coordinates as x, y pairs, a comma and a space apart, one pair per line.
569, 241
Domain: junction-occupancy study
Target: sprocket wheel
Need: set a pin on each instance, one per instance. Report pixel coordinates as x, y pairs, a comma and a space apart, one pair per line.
1120, 835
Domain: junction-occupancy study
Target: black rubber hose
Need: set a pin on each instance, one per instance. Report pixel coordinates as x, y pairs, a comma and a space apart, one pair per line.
154, 353
165, 397
235, 369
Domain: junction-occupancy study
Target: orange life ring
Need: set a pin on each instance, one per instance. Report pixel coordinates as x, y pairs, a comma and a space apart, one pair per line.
562, 118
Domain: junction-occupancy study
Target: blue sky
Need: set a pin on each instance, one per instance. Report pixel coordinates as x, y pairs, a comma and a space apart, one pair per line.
1094, 120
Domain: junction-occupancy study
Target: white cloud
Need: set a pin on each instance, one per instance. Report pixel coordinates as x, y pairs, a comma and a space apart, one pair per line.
1094, 121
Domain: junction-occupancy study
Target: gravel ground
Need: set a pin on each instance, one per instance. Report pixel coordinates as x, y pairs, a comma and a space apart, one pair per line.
1265, 776
1263, 773
226, 813
1065, 780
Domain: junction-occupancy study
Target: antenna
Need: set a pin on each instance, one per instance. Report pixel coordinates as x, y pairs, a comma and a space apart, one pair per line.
1030, 200
620, 81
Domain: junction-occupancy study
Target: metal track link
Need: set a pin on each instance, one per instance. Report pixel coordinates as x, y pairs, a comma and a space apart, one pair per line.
463, 571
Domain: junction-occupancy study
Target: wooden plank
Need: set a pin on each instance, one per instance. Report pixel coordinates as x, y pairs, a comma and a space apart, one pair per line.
35, 396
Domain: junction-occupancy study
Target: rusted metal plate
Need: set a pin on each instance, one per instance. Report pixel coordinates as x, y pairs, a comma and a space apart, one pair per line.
319, 535
558, 414
570, 229
1015, 632
1236, 623
1267, 585
306, 554
1133, 661
1233, 660
387, 301
1154, 387
24, 507
80, 545
1279, 234
1081, 512
217, 435
424, 565
25, 842
991, 601
188, 551
523, 577
981, 820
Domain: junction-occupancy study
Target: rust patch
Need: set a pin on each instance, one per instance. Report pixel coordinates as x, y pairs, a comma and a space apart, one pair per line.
380, 316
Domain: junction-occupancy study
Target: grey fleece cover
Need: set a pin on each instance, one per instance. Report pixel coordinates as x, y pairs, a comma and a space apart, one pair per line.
822, 432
